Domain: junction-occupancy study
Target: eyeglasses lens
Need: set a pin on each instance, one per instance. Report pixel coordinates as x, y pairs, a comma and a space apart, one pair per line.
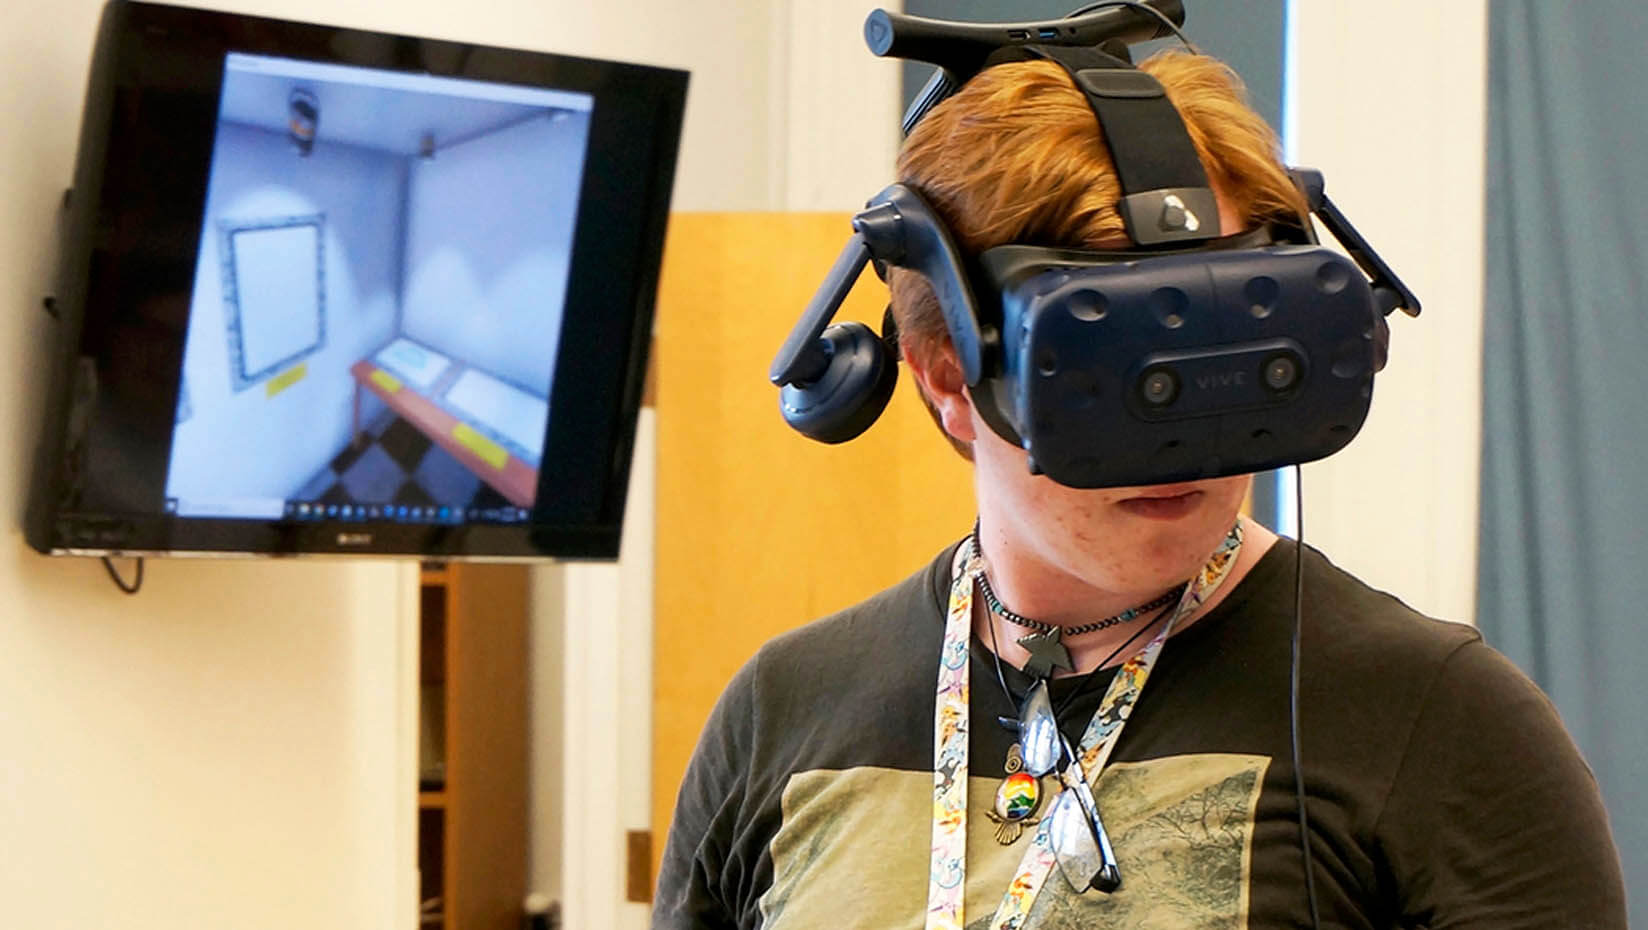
1080, 843
1074, 845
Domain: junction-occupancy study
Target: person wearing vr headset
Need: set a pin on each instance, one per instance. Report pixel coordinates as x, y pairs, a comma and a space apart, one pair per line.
1121, 705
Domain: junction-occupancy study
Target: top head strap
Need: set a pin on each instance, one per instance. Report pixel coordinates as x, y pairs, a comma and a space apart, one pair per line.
1166, 198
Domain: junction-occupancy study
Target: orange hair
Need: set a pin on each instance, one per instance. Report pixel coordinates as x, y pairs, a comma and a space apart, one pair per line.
1017, 156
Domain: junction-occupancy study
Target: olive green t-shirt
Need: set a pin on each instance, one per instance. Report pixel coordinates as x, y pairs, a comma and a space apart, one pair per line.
1442, 788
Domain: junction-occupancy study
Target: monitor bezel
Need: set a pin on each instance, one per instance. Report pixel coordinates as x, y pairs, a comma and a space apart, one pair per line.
131, 229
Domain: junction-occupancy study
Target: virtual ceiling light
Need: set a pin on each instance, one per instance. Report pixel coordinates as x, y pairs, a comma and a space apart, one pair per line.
302, 118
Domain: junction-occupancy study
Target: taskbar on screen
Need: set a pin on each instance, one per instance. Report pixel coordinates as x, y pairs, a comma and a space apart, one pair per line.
305, 510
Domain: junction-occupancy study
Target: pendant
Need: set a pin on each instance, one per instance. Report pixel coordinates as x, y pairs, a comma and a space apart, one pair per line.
1046, 653
1017, 798
1039, 741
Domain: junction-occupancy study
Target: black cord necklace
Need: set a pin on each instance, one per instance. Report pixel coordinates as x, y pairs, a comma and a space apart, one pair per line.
1086, 679
1019, 795
1046, 640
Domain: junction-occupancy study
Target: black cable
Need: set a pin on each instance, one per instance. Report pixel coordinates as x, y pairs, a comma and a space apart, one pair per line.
119, 582
995, 653
1136, 5
1293, 691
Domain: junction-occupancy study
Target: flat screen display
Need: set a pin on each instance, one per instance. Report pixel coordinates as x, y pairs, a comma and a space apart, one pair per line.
338, 291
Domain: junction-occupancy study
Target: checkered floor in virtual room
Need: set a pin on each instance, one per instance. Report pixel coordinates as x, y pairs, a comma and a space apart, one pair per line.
393, 464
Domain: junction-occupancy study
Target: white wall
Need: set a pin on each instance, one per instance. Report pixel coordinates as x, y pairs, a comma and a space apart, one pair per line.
489, 234
727, 153
605, 659
245, 443
224, 748
228, 748
1389, 102
233, 746
221, 750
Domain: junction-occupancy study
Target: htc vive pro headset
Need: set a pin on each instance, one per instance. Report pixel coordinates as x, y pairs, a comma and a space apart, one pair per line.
1194, 354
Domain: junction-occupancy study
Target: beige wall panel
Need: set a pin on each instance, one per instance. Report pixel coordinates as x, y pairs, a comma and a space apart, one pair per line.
759, 529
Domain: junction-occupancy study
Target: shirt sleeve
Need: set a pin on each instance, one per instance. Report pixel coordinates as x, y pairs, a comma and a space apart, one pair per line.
694, 886
1494, 820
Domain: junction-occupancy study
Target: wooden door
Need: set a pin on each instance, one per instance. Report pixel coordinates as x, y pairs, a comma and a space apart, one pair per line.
759, 529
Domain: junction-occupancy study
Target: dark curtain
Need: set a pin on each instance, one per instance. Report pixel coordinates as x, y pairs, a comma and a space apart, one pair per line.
1564, 528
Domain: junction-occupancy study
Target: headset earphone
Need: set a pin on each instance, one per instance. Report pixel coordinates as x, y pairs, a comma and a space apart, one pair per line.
1210, 355
855, 381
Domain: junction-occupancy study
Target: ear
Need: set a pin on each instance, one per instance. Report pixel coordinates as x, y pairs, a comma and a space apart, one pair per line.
938, 374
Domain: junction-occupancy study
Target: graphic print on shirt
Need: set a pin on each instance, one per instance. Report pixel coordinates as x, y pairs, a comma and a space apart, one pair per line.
853, 849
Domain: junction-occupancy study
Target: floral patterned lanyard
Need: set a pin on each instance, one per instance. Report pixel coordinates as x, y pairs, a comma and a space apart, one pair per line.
946, 889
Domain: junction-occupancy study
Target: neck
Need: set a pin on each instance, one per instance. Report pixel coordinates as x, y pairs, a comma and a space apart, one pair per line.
1040, 592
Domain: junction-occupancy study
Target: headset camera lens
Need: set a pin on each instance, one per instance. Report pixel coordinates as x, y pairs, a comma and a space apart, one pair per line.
1159, 387
1281, 373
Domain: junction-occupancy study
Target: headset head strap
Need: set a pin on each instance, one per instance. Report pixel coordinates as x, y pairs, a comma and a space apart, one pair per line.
1166, 199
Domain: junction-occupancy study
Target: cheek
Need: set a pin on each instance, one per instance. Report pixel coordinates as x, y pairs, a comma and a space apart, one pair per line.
1230, 492
997, 460
1226, 499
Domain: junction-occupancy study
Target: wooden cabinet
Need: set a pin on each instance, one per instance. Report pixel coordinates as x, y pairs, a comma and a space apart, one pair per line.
472, 791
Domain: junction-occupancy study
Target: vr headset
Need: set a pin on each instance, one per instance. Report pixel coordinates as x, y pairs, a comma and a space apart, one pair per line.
1197, 353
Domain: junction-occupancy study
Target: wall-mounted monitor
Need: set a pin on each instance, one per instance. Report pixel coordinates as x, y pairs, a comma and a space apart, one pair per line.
335, 291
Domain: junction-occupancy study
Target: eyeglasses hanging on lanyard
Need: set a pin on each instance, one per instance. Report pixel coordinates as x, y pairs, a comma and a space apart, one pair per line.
1079, 841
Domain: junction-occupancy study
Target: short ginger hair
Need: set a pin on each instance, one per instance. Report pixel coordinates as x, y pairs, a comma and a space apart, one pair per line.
1017, 156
